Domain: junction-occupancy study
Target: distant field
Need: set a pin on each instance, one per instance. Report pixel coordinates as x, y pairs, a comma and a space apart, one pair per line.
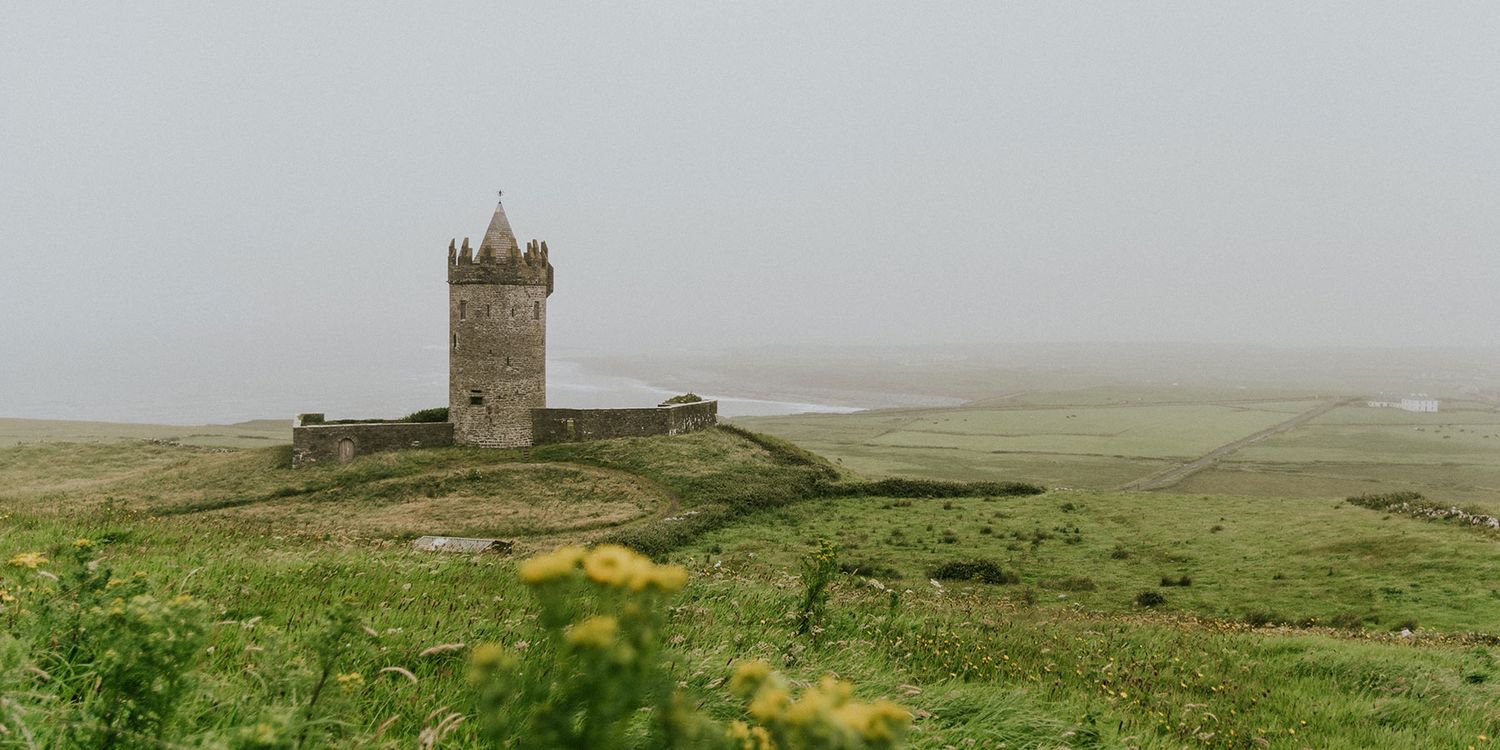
253, 434
1101, 438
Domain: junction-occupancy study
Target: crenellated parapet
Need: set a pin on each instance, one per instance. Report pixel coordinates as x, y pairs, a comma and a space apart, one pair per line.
490, 265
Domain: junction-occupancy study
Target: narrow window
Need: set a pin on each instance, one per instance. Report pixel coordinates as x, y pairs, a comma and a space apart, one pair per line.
513, 311
507, 361
486, 311
536, 311
463, 310
455, 341
476, 398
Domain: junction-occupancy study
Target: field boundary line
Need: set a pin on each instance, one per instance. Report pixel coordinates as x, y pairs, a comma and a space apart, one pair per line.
1168, 477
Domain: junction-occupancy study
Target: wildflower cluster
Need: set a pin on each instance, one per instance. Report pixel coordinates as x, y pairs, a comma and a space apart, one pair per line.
818, 570
602, 611
822, 716
607, 565
602, 681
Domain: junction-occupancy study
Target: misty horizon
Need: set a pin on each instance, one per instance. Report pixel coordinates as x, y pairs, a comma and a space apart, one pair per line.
258, 199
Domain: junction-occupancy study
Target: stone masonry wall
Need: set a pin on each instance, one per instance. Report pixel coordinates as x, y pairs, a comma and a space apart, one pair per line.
575, 425
498, 352
320, 443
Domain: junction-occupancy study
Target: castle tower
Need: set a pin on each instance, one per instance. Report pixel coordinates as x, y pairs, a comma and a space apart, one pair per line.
497, 324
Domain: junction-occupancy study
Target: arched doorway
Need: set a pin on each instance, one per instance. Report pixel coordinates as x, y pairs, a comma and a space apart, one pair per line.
346, 449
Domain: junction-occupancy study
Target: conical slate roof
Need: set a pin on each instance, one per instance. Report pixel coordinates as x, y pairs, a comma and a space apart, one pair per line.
499, 235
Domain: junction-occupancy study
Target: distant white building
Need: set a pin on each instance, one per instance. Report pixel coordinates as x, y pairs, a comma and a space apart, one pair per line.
1420, 403
1417, 402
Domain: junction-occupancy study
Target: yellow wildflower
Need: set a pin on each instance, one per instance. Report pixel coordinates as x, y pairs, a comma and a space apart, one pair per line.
82, 543
613, 565
5, 597
770, 703
28, 560
667, 578
738, 730
487, 655
807, 710
350, 681
881, 721
838, 691
595, 632
761, 738
560, 563
748, 677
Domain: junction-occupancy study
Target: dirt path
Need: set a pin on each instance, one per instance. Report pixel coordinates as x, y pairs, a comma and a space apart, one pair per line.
1169, 477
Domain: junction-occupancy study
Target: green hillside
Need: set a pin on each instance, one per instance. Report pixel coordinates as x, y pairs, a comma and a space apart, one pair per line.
1283, 637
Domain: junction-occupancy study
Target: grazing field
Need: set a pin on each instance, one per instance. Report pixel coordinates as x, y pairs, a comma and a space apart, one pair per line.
253, 434
1281, 637
1106, 439
1103, 438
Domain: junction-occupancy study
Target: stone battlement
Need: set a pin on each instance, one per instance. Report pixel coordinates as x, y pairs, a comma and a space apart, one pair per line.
510, 266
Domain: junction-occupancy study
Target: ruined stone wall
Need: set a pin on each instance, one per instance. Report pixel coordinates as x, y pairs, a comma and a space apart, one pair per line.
321, 443
575, 425
497, 354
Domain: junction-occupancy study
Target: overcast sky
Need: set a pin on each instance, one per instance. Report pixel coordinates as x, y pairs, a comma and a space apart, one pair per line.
236, 189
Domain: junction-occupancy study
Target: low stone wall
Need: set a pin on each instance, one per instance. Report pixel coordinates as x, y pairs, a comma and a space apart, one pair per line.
575, 425
326, 443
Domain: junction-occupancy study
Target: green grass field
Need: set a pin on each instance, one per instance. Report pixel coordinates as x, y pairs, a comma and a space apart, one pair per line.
1102, 438
253, 434
1064, 658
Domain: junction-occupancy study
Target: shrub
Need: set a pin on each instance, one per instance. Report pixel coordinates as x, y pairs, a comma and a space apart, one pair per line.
870, 569
949, 537
928, 488
1348, 621
1119, 553
686, 398
1182, 580
1381, 501
978, 569
818, 569
435, 414
1150, 599
1261, 618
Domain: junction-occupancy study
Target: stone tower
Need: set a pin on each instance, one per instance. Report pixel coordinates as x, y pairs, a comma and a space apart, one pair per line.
497, 325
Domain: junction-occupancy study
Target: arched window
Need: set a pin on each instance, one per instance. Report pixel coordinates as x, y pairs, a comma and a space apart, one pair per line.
536, 311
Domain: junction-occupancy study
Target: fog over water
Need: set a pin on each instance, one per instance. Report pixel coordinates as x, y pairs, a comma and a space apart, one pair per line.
215, 211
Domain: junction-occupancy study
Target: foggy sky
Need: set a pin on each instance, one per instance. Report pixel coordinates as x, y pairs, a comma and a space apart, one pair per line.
232, 191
